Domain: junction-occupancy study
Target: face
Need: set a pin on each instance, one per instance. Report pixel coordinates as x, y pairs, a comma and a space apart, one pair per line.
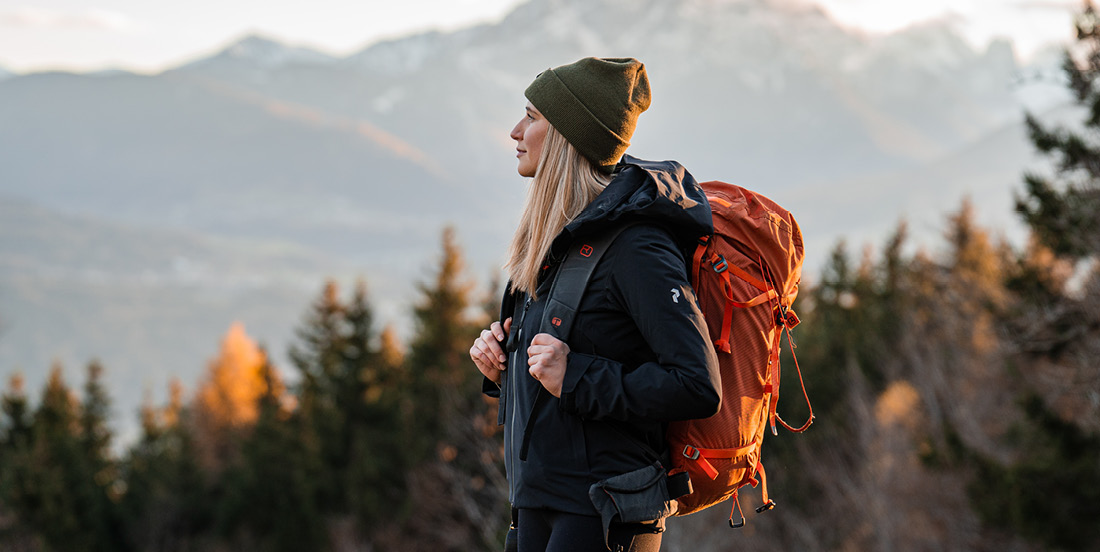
529, 134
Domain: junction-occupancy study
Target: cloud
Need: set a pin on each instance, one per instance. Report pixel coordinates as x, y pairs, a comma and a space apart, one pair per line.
40, 18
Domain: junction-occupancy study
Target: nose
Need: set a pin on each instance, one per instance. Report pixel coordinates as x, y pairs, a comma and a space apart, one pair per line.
517, 131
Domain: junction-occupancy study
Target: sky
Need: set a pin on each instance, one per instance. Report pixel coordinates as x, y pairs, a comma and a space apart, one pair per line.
152, 35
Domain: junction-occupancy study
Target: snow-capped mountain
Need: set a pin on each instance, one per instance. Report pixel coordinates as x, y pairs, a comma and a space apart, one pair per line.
254, 56
780, 72
404, 56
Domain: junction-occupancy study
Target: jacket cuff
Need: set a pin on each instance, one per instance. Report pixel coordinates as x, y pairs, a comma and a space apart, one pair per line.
576, 364
490, 388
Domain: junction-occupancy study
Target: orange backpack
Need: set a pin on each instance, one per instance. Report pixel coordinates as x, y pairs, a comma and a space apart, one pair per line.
745, 276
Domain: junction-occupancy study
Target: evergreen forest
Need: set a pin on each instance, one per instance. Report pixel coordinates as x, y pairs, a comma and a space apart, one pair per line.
955, 389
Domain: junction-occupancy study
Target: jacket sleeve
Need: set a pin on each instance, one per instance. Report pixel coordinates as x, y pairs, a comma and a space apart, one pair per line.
649, 280
490, 388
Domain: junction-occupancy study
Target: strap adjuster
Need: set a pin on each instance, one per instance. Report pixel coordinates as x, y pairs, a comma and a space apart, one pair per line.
691, 453
720, 265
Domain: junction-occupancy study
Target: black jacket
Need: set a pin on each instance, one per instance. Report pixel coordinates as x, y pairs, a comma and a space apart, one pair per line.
640, 354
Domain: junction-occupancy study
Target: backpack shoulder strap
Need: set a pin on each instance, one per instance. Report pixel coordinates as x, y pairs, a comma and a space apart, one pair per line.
572, 279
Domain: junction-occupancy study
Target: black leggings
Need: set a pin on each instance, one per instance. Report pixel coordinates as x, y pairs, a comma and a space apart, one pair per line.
550, 531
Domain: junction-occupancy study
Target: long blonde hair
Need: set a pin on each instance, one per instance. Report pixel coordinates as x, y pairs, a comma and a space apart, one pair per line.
565, 183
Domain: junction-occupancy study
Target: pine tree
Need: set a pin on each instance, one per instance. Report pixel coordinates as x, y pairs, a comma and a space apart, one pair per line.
15, 426
16, 439
439, 362
1055, 332
101, 484
316, 356
45, 500
64, 482
349, 409
459, 478
831, 336
1063, 211
167, 503
270, 474
377, 455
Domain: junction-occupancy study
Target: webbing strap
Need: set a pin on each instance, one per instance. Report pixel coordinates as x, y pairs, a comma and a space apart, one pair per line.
571, 280
693, 454
758, 300
773, 379
726, 453
697, 259
763, 483
723, 343
749, 278
700, 456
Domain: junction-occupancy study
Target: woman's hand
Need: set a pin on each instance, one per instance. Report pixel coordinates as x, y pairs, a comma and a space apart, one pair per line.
487, 352
546, 358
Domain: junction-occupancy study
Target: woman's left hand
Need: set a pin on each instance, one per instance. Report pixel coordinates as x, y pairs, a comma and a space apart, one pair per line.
546, 357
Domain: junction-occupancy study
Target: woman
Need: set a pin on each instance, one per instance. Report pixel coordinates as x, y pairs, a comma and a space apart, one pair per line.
582, 412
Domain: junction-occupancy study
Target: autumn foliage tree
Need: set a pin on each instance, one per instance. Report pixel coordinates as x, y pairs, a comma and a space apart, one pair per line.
225, 403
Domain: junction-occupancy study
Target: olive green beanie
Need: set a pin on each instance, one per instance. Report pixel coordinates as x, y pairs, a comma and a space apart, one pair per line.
594, 103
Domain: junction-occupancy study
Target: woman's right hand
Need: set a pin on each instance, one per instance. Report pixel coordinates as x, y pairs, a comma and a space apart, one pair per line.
488, 353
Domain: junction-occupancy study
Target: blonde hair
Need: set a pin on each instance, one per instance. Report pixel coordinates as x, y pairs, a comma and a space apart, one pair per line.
565, 183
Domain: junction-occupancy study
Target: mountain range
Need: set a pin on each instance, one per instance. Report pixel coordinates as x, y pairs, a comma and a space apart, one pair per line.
143, 214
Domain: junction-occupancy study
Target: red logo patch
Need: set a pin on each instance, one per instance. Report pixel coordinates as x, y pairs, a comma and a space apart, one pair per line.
556, 321
586, 250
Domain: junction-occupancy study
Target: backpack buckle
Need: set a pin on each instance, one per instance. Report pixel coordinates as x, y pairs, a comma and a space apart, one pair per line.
720, 265
691, 453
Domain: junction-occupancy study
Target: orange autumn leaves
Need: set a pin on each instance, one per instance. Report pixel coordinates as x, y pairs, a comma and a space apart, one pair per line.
225, 403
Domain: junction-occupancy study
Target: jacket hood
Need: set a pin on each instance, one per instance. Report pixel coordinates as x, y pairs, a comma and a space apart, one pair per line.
658, 192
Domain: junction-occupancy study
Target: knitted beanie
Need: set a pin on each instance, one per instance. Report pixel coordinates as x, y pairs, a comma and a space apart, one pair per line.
594, 103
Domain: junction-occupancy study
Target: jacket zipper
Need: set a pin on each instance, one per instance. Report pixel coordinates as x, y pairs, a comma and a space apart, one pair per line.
513, 395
